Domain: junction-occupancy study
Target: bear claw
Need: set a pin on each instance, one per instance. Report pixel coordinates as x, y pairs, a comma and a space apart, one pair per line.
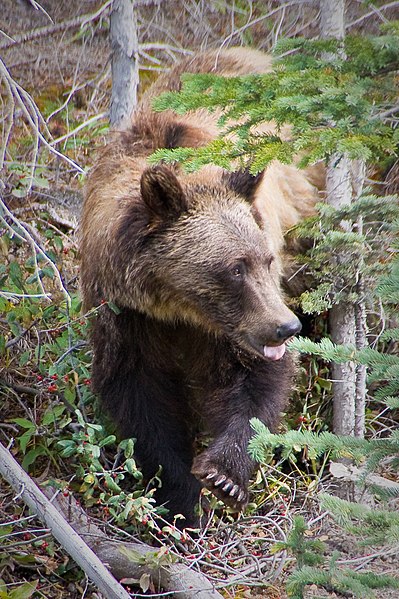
241, 496
234, 490
220, 480
227, 489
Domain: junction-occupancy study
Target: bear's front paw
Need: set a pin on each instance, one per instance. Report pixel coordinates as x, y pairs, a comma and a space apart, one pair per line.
232, 492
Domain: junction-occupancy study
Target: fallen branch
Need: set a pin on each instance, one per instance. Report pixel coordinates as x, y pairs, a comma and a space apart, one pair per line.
91, 548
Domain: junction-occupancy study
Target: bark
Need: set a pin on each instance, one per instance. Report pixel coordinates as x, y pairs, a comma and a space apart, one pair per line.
347, 321
124, 62
361, 369
342, 317
332, 19
342, 327
358, 172
91, 548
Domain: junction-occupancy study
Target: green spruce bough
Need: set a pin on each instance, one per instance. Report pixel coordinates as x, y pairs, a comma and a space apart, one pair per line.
308, 92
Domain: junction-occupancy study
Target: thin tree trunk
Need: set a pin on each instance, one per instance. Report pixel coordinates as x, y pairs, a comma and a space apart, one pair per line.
342, 316
358, 177
332, 19
347, 321
124, 62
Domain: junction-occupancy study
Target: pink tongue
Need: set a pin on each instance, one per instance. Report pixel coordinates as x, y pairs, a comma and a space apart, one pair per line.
274, 353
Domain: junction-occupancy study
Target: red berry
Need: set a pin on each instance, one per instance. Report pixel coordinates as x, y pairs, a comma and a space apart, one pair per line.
39, 377
54, 377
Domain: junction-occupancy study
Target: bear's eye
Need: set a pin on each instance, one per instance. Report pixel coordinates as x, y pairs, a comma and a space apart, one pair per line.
238, 270
269, 261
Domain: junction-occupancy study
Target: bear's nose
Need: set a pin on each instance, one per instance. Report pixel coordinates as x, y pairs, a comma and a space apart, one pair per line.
288, 329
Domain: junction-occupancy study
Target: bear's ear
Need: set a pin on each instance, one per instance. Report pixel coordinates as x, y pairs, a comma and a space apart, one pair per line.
162, 193
243, 183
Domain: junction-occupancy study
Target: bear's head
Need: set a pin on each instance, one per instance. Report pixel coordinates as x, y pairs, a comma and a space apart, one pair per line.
210, 260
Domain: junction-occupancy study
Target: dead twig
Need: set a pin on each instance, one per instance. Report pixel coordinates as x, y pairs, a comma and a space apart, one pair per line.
17, 94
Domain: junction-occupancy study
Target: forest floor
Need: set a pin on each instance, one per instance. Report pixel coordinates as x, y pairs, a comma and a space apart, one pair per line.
66, 71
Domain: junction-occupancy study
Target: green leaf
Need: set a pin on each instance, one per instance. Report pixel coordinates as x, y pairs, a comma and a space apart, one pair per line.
58, 243
5, 530
18, 192
144, 582
25, 438
47, 271
114, 307
32, 456
69, 451
24, 422
111, 484
52, 414
70, 394
41, 182
107, 441
24, 591
16, 275
24, 358
131, 466
127, 445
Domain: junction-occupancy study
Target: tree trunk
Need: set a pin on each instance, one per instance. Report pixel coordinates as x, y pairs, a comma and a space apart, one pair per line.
332, 19
347, 322
124, 63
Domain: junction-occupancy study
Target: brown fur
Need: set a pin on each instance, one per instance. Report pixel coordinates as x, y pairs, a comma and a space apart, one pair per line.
194, 263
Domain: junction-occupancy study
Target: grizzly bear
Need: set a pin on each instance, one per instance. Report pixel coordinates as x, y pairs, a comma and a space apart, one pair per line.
194, 264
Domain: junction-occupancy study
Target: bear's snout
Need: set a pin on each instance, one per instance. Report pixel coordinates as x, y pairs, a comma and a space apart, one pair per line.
271, 343
288, 329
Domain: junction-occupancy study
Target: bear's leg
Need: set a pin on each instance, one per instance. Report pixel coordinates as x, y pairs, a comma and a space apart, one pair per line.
148, 407
225, 467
